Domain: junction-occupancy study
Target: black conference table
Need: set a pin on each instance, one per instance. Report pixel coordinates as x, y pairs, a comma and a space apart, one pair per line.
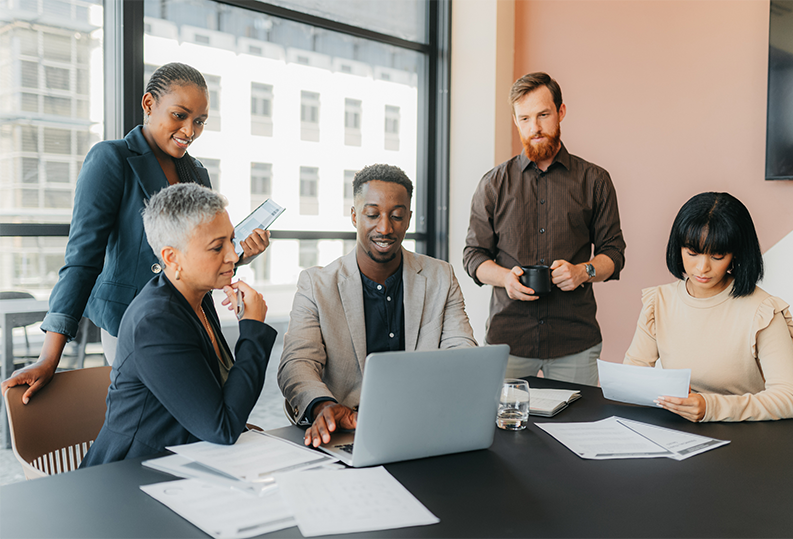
526, 485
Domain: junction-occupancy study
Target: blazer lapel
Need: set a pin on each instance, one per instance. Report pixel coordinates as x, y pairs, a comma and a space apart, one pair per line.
351, 293
144, 164
415, 286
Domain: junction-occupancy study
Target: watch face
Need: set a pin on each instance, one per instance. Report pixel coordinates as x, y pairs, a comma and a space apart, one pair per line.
590, 270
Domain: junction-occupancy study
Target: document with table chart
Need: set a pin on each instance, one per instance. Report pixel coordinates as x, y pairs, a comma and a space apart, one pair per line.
223, 513
618, 438
328, 502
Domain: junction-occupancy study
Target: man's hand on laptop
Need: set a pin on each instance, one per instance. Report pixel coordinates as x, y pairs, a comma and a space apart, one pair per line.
329, 416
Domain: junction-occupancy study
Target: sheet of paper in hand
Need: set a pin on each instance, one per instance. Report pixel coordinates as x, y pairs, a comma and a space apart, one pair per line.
641, 385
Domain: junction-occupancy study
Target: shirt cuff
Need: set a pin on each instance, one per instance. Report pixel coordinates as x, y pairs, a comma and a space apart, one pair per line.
476, 260
61, 323
305, 421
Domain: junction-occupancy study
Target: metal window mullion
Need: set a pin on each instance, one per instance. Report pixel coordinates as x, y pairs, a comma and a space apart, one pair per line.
123, 64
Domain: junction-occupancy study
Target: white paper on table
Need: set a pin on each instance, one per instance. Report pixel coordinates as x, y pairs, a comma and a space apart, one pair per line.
604, 439
641, 385
254, 457
223, 513
189, 469
347, 501
683, 444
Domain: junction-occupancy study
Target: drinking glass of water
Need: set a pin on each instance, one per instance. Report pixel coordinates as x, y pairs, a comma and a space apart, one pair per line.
513, 405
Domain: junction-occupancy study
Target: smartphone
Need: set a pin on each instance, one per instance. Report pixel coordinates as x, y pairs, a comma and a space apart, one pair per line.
262, 217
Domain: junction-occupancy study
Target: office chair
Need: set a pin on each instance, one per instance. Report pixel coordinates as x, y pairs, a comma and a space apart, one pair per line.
52, 433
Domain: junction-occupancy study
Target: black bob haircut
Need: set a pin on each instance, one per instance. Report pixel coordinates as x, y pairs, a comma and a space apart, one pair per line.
717, 223
383, 173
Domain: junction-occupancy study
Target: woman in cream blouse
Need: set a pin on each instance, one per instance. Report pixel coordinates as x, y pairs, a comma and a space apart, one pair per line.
736, 338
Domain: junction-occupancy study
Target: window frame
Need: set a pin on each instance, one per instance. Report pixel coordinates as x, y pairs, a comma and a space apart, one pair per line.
124, 76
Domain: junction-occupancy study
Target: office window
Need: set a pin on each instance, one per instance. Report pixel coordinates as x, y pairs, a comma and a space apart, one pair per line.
253, 52
213, 168
261, 179
392, 128
309, 191
309, 253
352, 122
349, 176
213, 88
261, 109
309, 116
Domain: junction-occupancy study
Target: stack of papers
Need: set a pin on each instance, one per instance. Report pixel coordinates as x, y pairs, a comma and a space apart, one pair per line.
263, 484
549, 402
618, 438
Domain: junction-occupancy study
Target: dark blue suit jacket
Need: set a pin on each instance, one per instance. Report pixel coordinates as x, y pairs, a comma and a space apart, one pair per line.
165, 384
108, 260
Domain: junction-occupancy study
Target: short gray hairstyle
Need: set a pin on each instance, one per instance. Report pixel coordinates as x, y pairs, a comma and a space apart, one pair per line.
172, 214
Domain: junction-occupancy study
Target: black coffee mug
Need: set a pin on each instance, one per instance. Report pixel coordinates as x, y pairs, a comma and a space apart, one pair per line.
538, 278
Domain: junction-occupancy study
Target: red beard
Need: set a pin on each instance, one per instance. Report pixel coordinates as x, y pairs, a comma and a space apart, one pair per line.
544, 150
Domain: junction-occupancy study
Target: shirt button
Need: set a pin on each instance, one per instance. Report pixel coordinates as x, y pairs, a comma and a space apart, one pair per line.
391, 335
542, 322
388, 298
542, 231
379, 287
542, 261
542, 201
156, 268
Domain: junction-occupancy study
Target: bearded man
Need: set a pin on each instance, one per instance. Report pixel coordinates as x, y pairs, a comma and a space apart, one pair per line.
545, 207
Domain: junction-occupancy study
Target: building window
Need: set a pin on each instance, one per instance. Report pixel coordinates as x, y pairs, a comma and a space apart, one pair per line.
392, 128
213, 88
352, 122
261, 181
349, 176
261, 109
308, 253
309, 116
213, 168
309, 191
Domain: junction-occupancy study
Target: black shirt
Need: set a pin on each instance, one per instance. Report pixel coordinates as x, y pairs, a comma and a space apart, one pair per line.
383, 313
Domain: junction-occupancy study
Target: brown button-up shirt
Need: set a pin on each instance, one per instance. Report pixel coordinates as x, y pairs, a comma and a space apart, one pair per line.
521, 216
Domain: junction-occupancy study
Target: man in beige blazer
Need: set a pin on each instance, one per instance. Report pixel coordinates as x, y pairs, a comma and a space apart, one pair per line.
358, 304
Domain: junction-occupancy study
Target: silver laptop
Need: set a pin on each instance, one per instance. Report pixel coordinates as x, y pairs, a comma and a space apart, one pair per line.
421, 404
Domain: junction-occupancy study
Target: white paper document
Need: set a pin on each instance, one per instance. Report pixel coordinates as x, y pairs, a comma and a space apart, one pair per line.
255, 456
348, 501
641, 385
618, 438
221, 512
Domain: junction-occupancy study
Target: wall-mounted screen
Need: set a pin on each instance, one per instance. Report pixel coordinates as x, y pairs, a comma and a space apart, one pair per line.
779, 128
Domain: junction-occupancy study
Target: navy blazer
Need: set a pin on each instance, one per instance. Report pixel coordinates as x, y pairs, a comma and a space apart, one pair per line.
108, 259
165, 386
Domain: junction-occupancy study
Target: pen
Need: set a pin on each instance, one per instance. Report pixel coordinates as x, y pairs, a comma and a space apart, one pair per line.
240, 311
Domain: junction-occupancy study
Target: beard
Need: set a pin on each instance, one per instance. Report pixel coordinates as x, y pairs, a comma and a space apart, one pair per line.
544, 150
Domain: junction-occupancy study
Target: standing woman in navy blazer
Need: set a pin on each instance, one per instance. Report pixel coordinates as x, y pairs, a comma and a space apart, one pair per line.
174, 380
108, 261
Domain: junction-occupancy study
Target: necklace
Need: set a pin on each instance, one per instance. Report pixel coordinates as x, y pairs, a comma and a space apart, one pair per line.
205, 322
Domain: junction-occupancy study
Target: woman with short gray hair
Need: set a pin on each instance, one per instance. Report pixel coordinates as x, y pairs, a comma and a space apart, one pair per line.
174, 380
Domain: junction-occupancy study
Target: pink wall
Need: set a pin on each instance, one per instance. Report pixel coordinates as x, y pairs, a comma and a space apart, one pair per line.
670, 97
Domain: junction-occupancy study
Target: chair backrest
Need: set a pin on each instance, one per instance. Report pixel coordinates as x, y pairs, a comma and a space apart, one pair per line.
52, 433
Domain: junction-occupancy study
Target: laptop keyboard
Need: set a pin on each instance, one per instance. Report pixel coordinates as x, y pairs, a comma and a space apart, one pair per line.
345, 447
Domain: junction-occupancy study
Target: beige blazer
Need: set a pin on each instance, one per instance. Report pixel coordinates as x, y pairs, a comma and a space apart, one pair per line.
325, 345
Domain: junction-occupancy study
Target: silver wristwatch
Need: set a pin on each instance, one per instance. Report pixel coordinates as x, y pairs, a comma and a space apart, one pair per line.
590, 270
